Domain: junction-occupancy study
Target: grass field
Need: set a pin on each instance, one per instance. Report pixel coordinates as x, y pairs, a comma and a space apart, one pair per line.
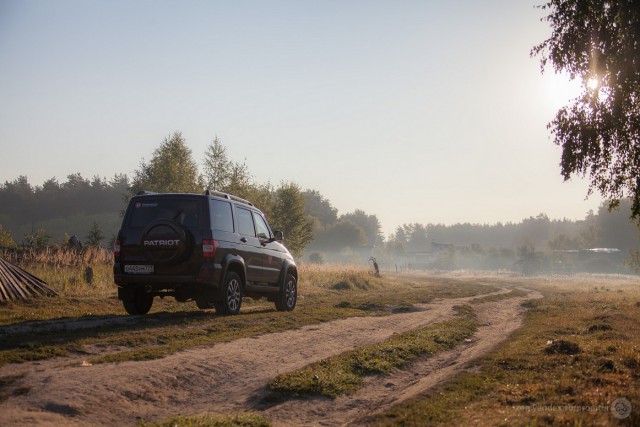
325, 293
576, 354
575, 361
343, 374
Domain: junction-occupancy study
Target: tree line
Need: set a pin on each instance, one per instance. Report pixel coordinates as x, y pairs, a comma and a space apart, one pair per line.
312, 225
601, 229
22, 201
33, 212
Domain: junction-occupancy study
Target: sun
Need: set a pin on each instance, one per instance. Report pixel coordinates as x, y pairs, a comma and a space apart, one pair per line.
593, 83
560, 89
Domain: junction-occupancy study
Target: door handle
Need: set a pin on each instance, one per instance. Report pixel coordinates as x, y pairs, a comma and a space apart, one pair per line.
243, 240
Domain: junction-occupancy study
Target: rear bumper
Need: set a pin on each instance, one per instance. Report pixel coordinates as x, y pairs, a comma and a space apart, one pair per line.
209, 275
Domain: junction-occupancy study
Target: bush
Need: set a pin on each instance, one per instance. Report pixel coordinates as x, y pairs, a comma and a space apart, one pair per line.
6, 239
316, 258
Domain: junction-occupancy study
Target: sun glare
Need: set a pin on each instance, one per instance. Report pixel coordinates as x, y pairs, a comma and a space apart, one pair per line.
593, 83
560, 89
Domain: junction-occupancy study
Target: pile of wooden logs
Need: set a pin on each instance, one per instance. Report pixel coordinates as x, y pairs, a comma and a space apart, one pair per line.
16, 284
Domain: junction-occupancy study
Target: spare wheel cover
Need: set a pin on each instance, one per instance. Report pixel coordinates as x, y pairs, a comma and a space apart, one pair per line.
164, 241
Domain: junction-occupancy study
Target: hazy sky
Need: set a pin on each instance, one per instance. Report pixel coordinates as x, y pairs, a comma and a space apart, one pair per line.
416, 111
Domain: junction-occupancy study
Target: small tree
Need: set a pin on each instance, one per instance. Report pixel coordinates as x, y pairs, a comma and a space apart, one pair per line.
38, 239
340, 235
240, 181
171, 169
529, 260
316, 258
370, 224
6, 239
217, 167
289, 216
95, 235
633, 261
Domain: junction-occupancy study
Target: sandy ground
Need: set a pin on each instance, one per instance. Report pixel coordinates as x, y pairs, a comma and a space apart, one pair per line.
231, 377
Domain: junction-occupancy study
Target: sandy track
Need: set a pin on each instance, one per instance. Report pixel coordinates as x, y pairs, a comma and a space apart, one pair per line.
231, 377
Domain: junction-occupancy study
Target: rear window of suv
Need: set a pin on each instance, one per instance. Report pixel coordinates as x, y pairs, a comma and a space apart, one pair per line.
221, 216
183, 211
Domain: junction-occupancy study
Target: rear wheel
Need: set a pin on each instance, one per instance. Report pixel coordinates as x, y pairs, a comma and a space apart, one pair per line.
139, 302
204, 304
206, 299
288, 295
231, 294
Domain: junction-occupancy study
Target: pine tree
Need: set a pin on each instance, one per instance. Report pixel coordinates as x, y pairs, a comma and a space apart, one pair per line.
95, 235
217, 167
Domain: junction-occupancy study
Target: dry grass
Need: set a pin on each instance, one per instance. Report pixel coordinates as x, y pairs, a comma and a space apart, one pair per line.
579, 347
315, 278
578, 351
237, 420
59, 257
65, 270
326, 293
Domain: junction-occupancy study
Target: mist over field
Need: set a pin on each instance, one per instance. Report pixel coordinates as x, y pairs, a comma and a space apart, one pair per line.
604, 241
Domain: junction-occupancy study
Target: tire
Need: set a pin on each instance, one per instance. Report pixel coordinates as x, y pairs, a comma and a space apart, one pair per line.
204, 304
206, 299
288, 295
231, 295
218, 307
139, 303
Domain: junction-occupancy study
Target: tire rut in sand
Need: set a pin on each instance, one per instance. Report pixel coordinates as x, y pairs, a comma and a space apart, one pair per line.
497, 321
231, 377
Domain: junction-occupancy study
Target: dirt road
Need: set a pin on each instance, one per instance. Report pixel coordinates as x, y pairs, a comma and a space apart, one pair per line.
231, 377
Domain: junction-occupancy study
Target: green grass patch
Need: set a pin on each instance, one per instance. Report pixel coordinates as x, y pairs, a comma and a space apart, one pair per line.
343, 373
576, 353
49, 308
48, 327
237, 420
157, 335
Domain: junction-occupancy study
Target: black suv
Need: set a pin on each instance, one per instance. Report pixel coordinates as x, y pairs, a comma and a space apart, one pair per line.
211, 248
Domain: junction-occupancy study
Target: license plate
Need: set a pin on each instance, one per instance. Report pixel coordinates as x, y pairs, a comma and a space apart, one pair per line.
138, 269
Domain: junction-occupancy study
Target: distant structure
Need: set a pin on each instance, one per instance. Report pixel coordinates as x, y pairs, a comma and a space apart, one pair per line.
75, 243
17, 284
376, 271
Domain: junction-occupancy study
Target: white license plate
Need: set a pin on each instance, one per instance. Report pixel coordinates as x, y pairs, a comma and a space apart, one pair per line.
138, 269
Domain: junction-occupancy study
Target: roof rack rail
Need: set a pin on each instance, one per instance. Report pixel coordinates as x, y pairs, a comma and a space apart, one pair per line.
208, 192
143, 192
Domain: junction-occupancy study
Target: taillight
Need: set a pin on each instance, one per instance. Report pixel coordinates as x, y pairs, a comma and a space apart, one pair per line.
116, 248
209, 248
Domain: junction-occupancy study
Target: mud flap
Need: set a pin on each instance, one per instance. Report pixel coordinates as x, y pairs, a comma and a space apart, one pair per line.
126, 293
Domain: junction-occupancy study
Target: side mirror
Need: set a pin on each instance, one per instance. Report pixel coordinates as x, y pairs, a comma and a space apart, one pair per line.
279, 235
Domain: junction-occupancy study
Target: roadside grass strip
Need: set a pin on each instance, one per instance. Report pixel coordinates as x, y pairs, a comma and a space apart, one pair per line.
52, 326
244, 419
343, 373
156, 336
575, 361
